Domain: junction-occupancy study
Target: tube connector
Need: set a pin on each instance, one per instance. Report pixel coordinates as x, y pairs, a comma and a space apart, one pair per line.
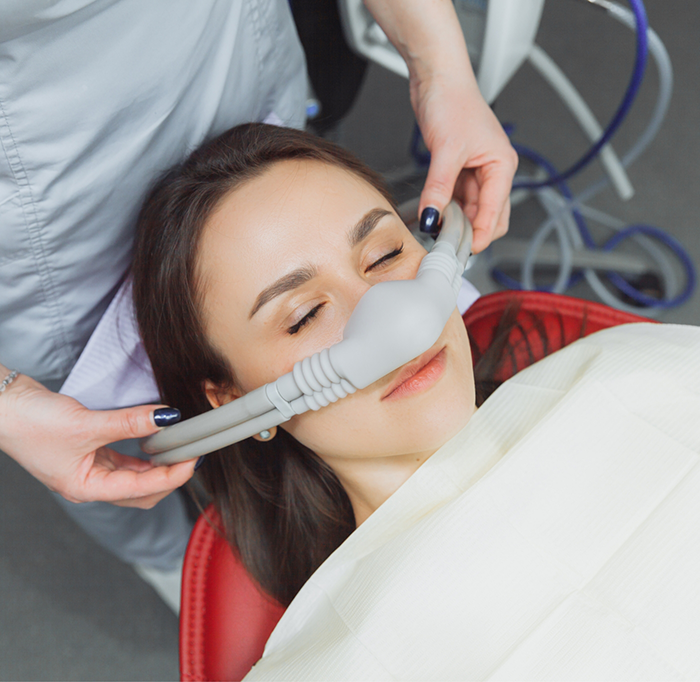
273, 395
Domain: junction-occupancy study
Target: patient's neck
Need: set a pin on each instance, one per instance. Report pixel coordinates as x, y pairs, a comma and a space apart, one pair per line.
370, 482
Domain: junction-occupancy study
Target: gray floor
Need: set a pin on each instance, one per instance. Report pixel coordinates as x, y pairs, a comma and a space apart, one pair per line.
69, 611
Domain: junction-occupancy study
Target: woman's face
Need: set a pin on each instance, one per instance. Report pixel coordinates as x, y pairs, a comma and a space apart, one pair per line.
282, 263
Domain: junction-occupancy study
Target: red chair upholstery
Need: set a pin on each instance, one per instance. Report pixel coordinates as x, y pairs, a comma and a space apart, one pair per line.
225, 619
561, 320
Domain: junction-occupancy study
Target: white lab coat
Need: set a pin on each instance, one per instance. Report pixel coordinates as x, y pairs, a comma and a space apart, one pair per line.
556, 537
97, 97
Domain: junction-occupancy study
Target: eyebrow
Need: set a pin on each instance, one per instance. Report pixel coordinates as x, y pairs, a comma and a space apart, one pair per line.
366, 224
285, 283
302, 275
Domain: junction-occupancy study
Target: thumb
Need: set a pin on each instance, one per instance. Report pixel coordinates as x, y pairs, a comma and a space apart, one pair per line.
130, 422
444, 169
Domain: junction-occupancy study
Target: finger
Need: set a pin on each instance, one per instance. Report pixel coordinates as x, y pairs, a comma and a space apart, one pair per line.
503, 222
112, 460
122, 484
439, 186
130, 422
143, 502
495, 185
471, 203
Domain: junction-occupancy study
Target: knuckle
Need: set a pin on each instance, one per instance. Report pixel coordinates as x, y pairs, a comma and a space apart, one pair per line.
73, 494
131, 423
513, 157
440, 187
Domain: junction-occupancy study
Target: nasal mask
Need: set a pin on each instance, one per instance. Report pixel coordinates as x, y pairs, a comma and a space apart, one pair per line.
394, 322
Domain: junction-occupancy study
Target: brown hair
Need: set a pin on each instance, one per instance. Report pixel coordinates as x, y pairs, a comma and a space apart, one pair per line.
284, 511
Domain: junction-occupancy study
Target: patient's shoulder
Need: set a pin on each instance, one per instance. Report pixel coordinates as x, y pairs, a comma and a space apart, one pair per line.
662, 353
641, 337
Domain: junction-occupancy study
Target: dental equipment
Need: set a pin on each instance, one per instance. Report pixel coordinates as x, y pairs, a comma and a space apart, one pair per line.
393, 323
498, 35
578, 255
543, 65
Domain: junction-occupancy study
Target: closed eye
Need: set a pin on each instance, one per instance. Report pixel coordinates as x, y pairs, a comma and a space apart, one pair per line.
384, 259
306, 319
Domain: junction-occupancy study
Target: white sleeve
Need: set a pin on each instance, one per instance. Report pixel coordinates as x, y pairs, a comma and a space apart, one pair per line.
113, 370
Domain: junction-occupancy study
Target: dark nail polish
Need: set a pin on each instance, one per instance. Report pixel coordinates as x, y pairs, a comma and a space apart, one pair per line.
200, 461
429, 220
166, 416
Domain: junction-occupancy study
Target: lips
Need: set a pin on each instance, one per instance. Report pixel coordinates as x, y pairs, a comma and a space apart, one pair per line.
426, 364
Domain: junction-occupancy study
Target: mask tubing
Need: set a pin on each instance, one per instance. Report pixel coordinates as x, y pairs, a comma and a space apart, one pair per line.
221, 439
452, 226
465, 247
236, 412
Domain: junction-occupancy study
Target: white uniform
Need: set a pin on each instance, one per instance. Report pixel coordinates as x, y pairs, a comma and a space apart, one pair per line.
97, 97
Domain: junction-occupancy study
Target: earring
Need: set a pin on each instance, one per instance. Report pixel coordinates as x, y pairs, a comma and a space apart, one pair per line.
266, 434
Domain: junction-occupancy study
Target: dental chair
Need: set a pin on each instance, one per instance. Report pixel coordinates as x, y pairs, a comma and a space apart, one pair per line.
225, 619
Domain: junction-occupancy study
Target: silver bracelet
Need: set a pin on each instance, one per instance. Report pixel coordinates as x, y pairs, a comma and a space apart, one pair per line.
8, 380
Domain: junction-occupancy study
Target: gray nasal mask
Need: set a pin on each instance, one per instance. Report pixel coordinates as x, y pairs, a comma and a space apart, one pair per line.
393, 323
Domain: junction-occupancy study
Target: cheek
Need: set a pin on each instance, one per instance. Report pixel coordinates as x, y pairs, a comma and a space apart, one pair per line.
333, 430
264, 360
364, 429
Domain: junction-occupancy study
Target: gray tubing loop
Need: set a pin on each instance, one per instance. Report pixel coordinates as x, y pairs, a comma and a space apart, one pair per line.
231, 414
393, 323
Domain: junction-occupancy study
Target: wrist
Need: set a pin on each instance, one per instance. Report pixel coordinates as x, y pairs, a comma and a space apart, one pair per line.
8, 405
9, 378
427, 34
445, 63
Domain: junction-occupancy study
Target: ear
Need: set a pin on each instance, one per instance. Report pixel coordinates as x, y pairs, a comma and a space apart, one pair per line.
218, 396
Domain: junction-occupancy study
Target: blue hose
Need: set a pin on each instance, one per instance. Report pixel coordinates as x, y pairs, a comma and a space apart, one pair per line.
640, 17
540, 160
527, 153
626, 288
613, 277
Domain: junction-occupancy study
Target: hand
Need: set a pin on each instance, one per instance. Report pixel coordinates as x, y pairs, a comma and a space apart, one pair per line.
62, 444
471, 156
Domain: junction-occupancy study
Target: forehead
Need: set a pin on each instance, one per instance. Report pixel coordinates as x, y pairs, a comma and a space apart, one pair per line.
294, 194
295, 212
290, 207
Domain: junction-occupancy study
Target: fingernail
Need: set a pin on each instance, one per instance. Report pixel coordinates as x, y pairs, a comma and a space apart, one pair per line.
429, 220
166, 416
200, 461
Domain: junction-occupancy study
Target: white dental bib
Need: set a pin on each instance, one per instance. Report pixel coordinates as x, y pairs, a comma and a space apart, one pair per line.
557, 536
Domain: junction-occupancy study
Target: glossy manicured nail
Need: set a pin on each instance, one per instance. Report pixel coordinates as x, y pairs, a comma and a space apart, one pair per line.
166, 416
429, 220
200, 461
